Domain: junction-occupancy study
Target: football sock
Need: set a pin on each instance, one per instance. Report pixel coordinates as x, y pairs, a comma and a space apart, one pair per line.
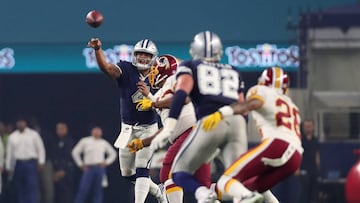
154, 189
232, 187
174, 193
142, 185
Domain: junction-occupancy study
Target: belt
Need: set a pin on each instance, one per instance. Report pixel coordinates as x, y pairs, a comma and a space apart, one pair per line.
26, 160
93, 165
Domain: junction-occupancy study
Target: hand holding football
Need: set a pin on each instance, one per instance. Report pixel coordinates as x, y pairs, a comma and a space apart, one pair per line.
94, 18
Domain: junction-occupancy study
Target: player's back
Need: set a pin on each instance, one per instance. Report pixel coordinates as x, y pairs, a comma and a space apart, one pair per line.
215, 85
278, 116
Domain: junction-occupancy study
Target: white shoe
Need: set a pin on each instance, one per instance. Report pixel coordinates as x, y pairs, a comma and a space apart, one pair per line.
211, 197
162, 197
213, 188
254, 197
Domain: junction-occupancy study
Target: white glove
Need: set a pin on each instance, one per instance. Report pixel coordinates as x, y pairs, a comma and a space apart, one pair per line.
162, 138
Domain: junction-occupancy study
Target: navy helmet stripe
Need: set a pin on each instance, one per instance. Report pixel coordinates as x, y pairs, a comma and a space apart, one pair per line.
147, 43
142, 43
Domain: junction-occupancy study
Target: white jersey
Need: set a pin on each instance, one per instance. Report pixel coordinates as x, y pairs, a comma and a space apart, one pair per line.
278, 117
187, 117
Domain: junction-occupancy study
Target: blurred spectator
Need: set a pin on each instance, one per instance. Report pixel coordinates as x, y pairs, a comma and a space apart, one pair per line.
97, 154
2, 156
288, 191
25, 155
7, 194
46, 192
5, 131
59, 149
310, 163
1, 165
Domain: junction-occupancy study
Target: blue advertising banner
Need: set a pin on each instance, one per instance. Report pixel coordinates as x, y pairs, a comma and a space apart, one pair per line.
76, 58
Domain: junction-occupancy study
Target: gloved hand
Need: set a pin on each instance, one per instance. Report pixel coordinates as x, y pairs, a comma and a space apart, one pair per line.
135, 145
144, 104
211, 121
161, 139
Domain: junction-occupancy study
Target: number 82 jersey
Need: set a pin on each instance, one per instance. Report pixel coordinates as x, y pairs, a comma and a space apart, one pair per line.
215, 85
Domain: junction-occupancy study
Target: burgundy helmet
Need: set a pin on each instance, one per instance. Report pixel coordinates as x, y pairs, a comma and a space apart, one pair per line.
163, 67
275, 77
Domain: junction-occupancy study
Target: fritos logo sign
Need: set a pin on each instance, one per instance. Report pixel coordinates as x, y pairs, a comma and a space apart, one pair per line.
119, 52
263, 55
7, 60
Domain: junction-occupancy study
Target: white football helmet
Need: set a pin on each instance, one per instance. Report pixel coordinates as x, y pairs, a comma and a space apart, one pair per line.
145, 46
275, 77
206, 46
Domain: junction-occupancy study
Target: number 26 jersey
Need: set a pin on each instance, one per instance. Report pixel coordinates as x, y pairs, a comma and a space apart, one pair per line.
278, 117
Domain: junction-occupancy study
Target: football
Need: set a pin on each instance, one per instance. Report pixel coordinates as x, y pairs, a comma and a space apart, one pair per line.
94, 18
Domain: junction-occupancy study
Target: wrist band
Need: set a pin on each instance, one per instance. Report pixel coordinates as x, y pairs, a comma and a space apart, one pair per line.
96, 48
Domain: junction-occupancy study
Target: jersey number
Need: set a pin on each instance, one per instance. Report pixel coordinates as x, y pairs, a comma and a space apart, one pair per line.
213, 81
288, 118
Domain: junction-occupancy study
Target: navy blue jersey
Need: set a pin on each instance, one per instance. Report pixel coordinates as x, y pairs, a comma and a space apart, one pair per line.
129, 94
215, 85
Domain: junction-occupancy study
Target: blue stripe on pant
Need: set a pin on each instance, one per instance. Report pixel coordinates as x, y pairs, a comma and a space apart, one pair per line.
26, 181
91, 182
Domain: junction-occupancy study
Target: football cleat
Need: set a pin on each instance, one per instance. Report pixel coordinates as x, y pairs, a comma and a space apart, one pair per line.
162, 197
253, 197
210, 197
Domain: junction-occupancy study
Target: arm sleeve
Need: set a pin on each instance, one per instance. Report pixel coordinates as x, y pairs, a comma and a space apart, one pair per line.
177, 104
